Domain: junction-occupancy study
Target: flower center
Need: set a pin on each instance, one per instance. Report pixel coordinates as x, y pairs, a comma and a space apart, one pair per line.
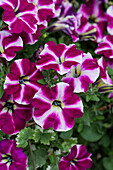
74, 161
17, 12
56, 103
1, 50
75, 71
7, 158
23, 79
92, 19
9, 106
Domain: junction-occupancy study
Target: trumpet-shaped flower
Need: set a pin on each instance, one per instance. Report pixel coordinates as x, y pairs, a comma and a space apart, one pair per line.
32, 38
59, 57
19, 15
45, 10
93, 19
83, 74
22, 81
106, 47
77, 159
110, 20
13, 116
9, 44
12, 157
57, 107
103, 71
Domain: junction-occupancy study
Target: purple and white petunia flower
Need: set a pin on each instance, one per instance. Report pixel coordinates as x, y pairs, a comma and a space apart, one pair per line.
19, 15
9, 44
77, 159
83, 74
93, 19
57, 107
13, 116
106, 47
66, 20
110, 20
58, 6
32, 38
103, 71
59, 57
12, 157
22, 81
45, 10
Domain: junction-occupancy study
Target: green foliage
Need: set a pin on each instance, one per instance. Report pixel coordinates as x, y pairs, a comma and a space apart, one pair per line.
44, 136
91, 134
23, 136
39, 157
108, 163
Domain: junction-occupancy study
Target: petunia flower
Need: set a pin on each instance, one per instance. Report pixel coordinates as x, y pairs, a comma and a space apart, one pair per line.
12, 157
9, 44
66, 21
19, 15
57, 107
59, 57
13, 116
110, 19
77, 159
45, 10
58, 6
106, 47
22, 81
105, 83
93, 19
83, 74
32, 38
103, 71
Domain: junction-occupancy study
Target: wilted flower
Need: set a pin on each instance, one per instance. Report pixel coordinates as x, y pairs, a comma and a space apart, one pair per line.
13, 116
12, 157
78, 159
9, 44
57, 107
19, 15
83, 74
59, 57
22, 81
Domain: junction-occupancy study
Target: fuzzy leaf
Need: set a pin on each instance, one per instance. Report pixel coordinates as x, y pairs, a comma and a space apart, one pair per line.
23, 136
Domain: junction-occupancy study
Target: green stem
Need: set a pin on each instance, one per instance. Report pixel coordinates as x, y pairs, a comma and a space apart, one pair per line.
31, 153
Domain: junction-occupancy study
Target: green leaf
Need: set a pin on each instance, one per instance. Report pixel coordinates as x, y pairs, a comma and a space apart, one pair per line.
39, 157
108, 163
1, 91
37, 135
54, 162
68, 143
80, 127
105, 140
91, 134
66, 135
23, 136
94, 98
47, 136
88, 97
1, 134
44, 136
41, 81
